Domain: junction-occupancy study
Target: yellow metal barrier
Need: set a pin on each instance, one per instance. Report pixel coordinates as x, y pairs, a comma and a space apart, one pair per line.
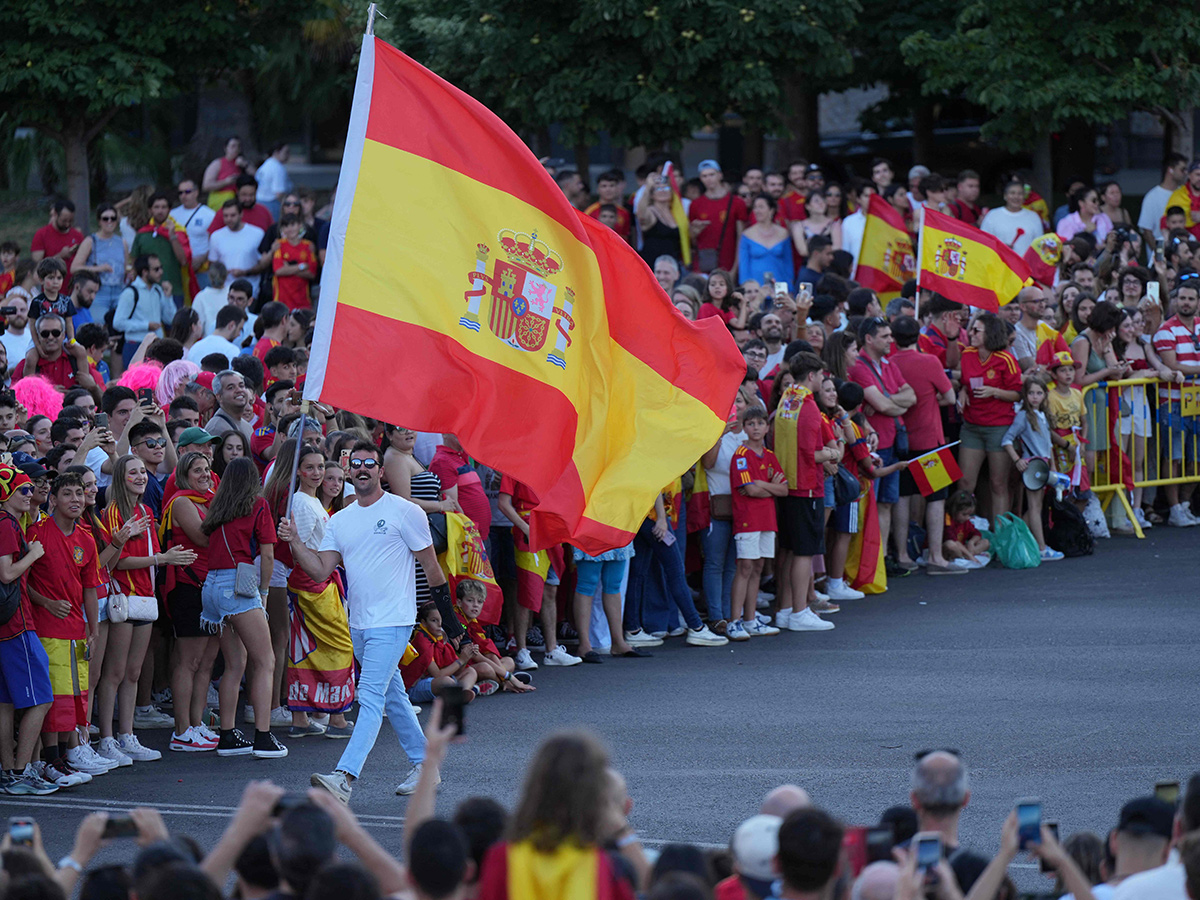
1142, 432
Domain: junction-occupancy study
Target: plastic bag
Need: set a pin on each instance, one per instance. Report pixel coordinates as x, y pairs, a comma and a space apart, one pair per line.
1013, 543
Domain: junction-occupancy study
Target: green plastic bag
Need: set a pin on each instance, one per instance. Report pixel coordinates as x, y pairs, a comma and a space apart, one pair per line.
1014, 544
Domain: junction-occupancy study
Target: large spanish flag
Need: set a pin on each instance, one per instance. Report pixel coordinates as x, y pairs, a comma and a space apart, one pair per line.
970, 266
462, 293
886, 259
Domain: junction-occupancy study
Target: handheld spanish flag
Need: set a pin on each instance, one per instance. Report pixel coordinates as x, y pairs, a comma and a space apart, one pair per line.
462, 293
886, 259
935, 470
1043, 257
679, 214
466, 559
967, 265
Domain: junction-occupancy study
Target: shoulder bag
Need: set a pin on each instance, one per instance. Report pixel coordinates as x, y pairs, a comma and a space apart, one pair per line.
708, 259
245, 579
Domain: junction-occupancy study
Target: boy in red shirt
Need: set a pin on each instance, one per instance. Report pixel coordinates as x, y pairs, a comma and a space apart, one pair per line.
294, 264
487, 661
438, 664
62, 587
756, 478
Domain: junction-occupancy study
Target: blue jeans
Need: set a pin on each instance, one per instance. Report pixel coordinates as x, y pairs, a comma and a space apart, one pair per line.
720, 562
653, 556
658, 612
378, 651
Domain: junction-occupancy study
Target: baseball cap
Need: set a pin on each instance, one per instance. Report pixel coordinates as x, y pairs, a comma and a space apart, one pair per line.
706, 164
205, 379
1147, 815
755, 845
196, 435
10, 480
1061, 358
34, 470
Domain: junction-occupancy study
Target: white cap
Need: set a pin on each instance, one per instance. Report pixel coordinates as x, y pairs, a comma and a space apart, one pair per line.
755, 846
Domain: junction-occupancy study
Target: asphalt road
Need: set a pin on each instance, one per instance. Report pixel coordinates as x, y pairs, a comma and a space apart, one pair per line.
1073, 682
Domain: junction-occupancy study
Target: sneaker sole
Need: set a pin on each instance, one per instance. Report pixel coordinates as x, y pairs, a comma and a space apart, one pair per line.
146, 758
240, 751
708, 643
810, 628
122, 763
186, 748
270, 754
551, 662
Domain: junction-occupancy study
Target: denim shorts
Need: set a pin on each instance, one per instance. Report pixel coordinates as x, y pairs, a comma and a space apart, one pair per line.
422, 691
591, 573
219, 602
830, 495
887, 488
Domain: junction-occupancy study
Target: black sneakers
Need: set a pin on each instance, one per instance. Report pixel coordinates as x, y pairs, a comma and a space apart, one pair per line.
267, 746
234, 743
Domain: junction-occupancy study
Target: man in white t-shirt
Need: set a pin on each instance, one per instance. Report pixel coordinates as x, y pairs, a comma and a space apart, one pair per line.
229, 326
853, 224
1032, 303
17, 337
1154, 204
273, 180
195, 217
1016, 226
379, 539
236, 245
1167, 882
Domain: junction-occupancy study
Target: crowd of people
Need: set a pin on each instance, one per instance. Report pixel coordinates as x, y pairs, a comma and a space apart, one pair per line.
572, 834
155, 556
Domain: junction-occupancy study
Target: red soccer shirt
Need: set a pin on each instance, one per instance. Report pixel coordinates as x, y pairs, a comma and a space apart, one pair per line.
791, 206
887, 379
927, 377
12, 543
135, 582
260, 442
264, 345
59, 372
752, 513
244, 536
721, 215
51, 241
292, 290
624, 219
68, 567
523, 498
1000, 370
932, 341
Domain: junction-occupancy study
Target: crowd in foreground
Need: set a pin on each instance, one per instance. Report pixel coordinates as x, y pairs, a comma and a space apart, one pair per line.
572, 835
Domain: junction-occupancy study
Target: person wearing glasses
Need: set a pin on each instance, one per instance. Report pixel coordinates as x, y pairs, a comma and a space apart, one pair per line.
144, 305
53, 362
104, 254
195, 218
380, 540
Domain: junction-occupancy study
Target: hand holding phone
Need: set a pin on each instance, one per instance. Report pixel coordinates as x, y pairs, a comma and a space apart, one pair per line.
1029, 821
120, 827
1167, 791
1043, 866
454, 701
20, 831
927, 845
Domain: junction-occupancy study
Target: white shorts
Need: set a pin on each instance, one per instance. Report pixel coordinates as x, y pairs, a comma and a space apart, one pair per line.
755, 545
279, 573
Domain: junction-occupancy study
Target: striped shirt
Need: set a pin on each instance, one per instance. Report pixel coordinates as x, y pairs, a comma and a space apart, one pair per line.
1181, 340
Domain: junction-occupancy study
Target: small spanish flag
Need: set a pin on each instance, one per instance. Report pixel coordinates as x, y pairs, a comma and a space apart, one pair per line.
1043, 257
679, 214
967, 265
886, 259
935, 470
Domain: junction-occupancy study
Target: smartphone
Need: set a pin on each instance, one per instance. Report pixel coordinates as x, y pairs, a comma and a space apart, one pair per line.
20, 831
928, 847
880, 840
1167, 791
1152, 291
806, 288
8, 310
1029, 821
288, 801
120, 827
101, 420
781, 288
1158, 254
454, 701
1053, 826
669, 538
145, 395
344, 460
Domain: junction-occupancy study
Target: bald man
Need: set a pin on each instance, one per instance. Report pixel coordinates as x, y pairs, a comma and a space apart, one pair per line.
876, 882
785, 799
940, 792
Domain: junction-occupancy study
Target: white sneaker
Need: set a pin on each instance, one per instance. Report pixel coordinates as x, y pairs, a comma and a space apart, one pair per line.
807, 620
151, 717
839, 590
1187, 510
821, 598
1049, 554
52, 773
764, 601
782, 618
735, 631
133, 748
207, 733
280, 716
214, 696
702, 637
560, 657
642, 638
758, 628
85, 759
191, 741
247, 714
409, 784
336, 783
1140, 515
677, 632
1180, 517
111, 750
524, 661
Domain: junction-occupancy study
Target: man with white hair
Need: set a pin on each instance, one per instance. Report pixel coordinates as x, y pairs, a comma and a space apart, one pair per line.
940, 792
666, 273
876, 882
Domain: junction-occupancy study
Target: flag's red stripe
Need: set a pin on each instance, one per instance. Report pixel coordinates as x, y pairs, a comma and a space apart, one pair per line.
875, 279
953, 289
559, 518
917, 471
882, 209
951, 464
943, 222
403, 374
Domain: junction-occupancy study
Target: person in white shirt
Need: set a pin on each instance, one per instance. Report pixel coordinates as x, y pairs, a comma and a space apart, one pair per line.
853, 224
229, 326
380, 539
195, 218
17, 337
212, 299
236, 245
1167, 882
273, 180
1016, 226
1154, 204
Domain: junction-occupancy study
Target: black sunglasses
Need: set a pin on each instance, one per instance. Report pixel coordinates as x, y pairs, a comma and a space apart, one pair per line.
108, 218
364, 463
54, 332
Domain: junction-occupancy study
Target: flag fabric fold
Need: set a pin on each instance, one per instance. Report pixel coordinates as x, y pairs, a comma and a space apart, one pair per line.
462, 293
1043, 257
679, 214
886, 259
967, 265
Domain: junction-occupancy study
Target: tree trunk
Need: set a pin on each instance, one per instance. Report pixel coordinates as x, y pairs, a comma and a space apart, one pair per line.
78, 182
923, 118
752, 147
800, 118
1183, 132
1043, 167
583, 163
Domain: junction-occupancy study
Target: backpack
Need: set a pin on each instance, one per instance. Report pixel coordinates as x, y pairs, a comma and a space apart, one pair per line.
108, 320
1065, 528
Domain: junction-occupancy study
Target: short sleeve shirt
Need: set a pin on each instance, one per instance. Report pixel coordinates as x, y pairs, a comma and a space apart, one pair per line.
51, 241
752, 513
135, 582
722, 215
239, 541
928, 379
999, 370
67, 568
12, 543
454, 468
887, 378
377, 544
1177, 337
292, 290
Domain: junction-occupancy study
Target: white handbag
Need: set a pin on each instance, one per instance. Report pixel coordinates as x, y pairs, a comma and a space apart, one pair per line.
118, 604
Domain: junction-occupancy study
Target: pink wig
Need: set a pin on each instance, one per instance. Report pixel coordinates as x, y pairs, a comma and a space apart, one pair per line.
173, 377
39, 396
143, 375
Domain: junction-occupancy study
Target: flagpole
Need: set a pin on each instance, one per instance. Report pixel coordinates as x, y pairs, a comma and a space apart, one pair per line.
372, 9
299, 437
920, 256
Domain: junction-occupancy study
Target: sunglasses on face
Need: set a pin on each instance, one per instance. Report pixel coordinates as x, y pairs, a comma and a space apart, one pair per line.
52, 332
25, 490
364, 463
108, 218
155, 443
187, 190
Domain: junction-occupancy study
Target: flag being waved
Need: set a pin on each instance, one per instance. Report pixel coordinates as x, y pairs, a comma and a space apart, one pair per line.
935, 470
967, 265
886, 259
462, 293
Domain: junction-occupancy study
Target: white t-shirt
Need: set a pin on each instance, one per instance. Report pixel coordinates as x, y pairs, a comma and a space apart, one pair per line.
1154, 207
1099, 892
209, 302
16, 345
272, 180
311, 519
377, 544
195, 222
1164, 883
94, 460
718, 475
214, 343
852, 233
237, 250
1003, 224
773, 360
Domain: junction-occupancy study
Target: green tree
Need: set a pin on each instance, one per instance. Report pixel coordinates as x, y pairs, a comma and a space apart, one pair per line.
1037, 65
68, 66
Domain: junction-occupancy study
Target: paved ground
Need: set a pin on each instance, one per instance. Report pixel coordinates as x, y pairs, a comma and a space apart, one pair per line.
1073, 682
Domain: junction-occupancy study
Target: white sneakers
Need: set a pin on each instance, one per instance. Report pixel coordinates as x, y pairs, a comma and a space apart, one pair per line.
839, 590
806, 620
151, 717
132, 748
523, 661
337, 783
192, 741
109, 749
702, 637
409, 784
279, 716
85, 759
1049, 554
560, 657
642, 638
759, 628
1181, 517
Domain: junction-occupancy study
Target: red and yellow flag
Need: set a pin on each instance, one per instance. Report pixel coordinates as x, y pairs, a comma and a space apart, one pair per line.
679, 214
935, 470
886, 259
967, 265
1043, 257
462, 293
466, 558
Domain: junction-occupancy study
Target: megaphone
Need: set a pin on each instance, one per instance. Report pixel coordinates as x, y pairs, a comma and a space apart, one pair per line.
1060, 482
1036, 474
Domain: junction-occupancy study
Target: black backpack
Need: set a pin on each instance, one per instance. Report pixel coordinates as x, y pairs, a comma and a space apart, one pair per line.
1065, 528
